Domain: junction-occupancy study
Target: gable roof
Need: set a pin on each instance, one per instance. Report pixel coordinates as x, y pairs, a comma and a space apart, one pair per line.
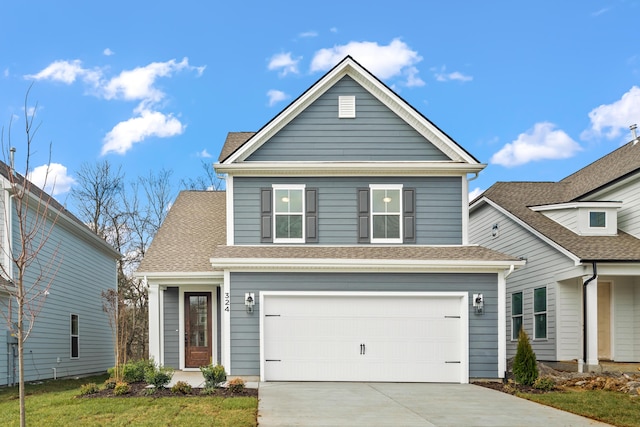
235, 151
194, 226
517, 198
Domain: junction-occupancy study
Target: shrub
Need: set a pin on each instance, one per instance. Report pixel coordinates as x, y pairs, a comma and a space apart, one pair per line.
159, 377
525, 369
544, 383
207, 391
214, 376
134, 372
236, 385
110, 383
90, 388
181, 387
121, 389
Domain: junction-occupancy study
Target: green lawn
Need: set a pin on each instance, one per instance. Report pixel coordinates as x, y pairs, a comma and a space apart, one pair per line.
54, 403
614, 408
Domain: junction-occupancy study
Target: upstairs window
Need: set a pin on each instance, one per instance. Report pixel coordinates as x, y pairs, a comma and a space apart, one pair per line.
75, 336
288, 214
386, 214
516, 314
597, 219
540, 313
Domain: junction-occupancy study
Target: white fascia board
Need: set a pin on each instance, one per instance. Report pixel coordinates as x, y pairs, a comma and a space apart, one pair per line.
527, 227
385, 95
180, 278
576, 205
360, 265
404, 168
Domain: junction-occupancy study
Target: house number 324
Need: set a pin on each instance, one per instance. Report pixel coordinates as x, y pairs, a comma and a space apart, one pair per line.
227, 301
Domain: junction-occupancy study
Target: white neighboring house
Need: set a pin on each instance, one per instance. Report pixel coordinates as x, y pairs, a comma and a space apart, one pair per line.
578, 297
71, 335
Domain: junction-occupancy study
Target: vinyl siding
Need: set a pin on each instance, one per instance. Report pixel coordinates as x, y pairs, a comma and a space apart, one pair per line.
629, 214
245, 331
626, 319
569, 317
4, 348
80, 274
171, 328
438, 207
568, 218
375, 134
543, 263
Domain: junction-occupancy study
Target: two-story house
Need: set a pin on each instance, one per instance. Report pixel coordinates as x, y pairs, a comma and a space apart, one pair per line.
70, 268
339, 251
578, 297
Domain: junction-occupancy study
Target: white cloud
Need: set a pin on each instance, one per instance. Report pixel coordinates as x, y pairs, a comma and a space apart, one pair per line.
150, 123
600, 11
333, 29
284, 62
442, 75
384, 62
540, 143
276, 96
5, 72
52, 178
412, 77
204, 154
475, 193
611, 119
65, 72
108, 52
309, 34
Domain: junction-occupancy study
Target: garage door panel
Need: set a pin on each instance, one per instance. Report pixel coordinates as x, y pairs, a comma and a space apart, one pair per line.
334, 338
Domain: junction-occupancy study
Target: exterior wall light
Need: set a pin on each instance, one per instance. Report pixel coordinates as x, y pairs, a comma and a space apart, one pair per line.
478, 303
249, 301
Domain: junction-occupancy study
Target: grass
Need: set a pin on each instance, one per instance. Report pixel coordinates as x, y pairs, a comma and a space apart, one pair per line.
54, 403
610, 407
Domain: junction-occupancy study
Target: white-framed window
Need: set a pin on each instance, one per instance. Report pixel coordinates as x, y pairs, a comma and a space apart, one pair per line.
75, 336
288, 213
597, 219
386, 213
540, 313
516, 314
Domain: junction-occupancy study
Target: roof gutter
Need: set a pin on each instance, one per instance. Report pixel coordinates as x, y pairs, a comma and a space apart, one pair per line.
584, 310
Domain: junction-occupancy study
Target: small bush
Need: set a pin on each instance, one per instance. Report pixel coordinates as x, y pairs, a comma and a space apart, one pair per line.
90, 388
159, 377
214, 376
121, 389
525, 368
133, 372
236, 385
544, 383
208, 391
181, 387
110, 383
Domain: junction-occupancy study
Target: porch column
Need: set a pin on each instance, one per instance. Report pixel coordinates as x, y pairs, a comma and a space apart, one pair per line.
502, 324
154, 323
225, 319
592, 323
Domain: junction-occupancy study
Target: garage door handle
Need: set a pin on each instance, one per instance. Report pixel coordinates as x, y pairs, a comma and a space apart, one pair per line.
363, 349
451, 361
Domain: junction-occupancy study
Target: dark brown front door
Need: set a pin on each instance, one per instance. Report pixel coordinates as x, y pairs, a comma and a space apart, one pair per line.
197, 340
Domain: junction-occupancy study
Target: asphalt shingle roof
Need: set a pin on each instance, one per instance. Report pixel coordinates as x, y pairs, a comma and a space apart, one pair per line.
234, 141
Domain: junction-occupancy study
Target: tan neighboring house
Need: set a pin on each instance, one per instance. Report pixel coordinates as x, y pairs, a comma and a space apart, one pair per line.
578, 297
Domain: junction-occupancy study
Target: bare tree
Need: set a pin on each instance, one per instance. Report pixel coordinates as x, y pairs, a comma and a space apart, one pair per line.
209, 181
30, 273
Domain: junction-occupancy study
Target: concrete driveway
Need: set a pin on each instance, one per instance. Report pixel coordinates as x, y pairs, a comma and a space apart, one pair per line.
393, 404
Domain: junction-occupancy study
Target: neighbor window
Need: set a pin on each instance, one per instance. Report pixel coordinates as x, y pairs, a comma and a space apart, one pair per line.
386, 214
75, 337
597, 219
288, 214
540, 313
516, 314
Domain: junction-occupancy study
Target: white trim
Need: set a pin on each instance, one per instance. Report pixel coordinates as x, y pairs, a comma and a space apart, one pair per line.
182, 327
225, 318
392, 187
545, 312
368, 168
71, 335
153, 294
161, 324
464, 317
288, 187
465, 210
592, 322
502, 324
527, 227
230, 213
511, 315
576, 205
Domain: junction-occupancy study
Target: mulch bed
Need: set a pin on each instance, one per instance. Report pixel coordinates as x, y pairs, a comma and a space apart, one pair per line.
509, 388
140, 390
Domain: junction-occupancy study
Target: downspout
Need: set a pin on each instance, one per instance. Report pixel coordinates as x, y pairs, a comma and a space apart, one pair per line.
584, 313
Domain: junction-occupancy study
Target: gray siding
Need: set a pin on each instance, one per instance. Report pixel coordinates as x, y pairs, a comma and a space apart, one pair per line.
543, 263
81, 272
377, 133
171, 328
483, 339
438, 207
629, 214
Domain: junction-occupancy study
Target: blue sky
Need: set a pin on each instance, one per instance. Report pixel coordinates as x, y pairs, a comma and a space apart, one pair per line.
536, 90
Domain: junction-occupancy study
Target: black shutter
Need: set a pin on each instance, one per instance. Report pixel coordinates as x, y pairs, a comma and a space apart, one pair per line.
409, 215
311, 214
363, 215
265, 215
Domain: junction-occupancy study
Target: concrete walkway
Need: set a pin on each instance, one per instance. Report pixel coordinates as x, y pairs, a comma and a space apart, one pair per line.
393, 404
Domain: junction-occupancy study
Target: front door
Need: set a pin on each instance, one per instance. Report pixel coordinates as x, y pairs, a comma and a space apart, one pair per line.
197, 340
604, 320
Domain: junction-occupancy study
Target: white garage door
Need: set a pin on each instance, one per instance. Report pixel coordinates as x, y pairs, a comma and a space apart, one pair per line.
396, 337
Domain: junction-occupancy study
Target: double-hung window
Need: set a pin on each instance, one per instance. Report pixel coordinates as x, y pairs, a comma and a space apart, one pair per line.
516, 314
386, 213
75, 336
540, 313
288, 213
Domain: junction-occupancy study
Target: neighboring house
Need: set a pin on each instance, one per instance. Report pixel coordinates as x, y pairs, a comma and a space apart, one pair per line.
580, 238
71, 335
337, 253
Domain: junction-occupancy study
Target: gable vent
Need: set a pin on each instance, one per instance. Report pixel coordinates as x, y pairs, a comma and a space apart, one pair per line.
347, 107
